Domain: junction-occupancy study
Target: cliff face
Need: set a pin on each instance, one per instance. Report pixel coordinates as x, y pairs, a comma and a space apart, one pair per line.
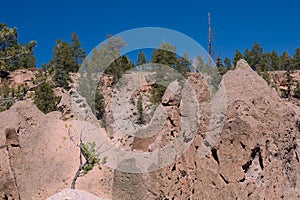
246, 145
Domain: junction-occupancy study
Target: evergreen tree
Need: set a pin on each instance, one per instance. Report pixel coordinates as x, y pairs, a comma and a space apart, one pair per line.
248, 57
285, 61
99, 105
140, 119
296, 59
183, 64
237, 56
166, 55
141, 59
256, 55
266, 62
14, 55
78, 53
200, 65
62, 63
220, 66
275, 60
227, 64
45, 98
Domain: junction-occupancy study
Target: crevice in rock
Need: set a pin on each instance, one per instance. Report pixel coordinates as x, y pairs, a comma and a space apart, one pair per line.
246, 166
297, 157
12, 138
223, 178
214, 153
254, 152
242, 180
260, 159
243, 146
174, 167
183, 173
171, 121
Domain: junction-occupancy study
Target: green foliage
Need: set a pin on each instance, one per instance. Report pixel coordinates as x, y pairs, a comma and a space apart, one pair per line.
227, 64
184, 64
157, 93
99, 105
140, 119
200, 66
105, 55
141, 59
285, 61
6, 105
14, 55
289, 82
62, 63
5, 89
237, 56
165, 55
297, 91
265, 75
257, 55
284, 93
92, 157
45, 98
66, 58
296, 59
78, 53
275, 61
220, 66
120, 65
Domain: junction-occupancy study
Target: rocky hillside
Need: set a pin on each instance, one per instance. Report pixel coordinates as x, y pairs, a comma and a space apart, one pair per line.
246, 145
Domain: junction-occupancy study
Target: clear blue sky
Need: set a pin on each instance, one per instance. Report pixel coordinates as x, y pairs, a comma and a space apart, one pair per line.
237, 24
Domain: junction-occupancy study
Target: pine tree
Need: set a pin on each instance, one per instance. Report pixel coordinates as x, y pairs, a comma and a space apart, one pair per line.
165, 54
275, 60
141, 59
14, 55
266, 62
140, 119
62, 63
200, 66
220, 66
296, 59
183, 64
227, 64
285, 61
78, 53
237, 56
99, 105
248, 57
256, 55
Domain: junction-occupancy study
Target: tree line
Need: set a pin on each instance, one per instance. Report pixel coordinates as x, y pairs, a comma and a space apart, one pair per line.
262, 61
68, 57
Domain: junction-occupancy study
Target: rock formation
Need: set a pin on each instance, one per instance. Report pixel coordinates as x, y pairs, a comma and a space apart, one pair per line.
249, 150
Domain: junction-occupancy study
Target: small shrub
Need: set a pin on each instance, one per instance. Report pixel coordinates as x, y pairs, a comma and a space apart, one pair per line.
45, 98
297, 91
140, 119
157, 93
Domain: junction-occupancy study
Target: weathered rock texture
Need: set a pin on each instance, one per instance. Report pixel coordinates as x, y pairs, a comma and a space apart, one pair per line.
254, 156
37, 157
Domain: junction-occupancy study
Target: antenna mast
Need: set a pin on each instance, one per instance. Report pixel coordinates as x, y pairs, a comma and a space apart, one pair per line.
209, 40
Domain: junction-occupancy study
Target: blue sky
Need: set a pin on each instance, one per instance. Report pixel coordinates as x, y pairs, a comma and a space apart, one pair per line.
237, 24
